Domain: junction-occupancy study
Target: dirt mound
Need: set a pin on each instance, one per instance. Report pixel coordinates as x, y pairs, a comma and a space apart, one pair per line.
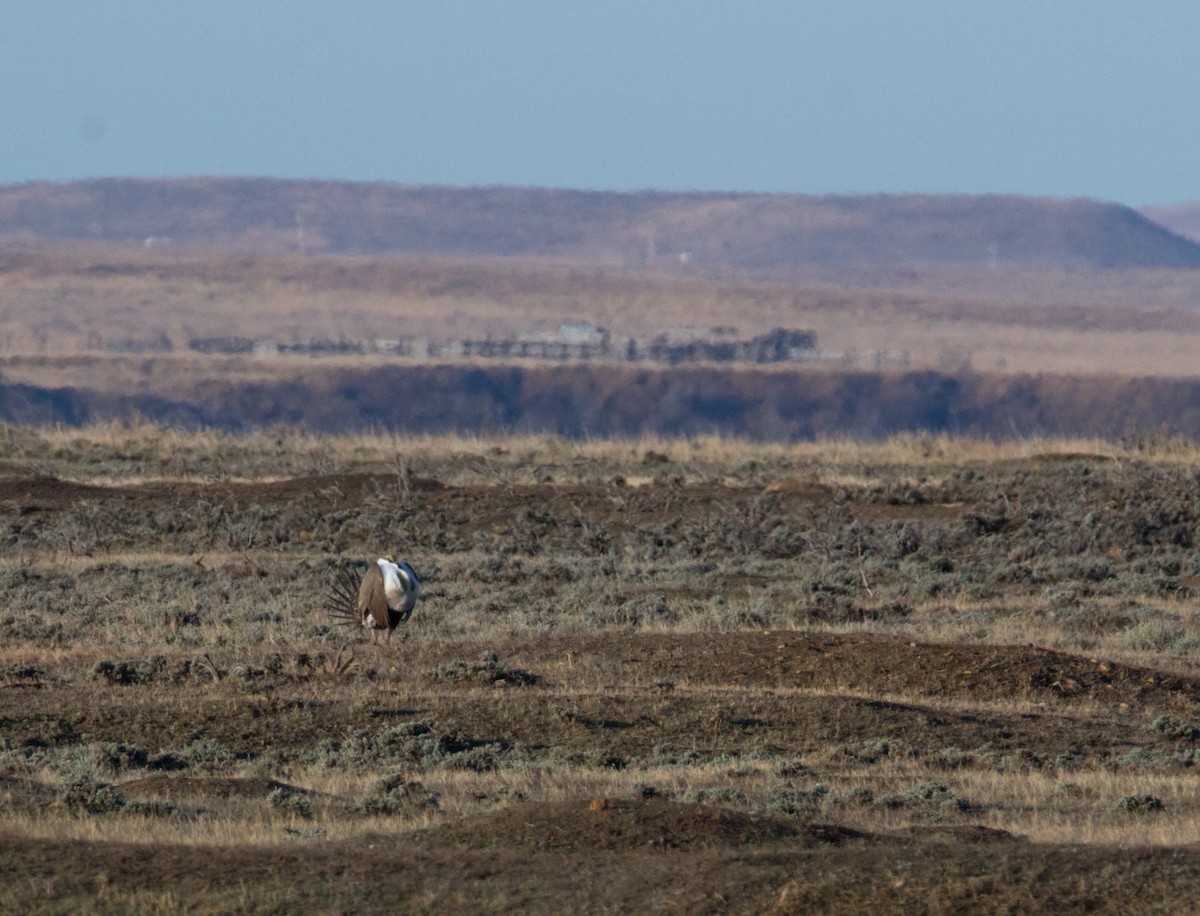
653, 823
885, 664
386, 873
810, 692
47, 493
956, 834
32, 494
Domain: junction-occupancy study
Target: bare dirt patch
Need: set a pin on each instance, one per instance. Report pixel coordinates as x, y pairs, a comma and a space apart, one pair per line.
602, 824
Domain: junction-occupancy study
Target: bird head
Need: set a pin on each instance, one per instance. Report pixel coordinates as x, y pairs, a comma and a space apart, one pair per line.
391, 558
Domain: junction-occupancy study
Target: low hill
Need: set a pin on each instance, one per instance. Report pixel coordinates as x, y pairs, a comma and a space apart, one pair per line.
764, 235
1182, 219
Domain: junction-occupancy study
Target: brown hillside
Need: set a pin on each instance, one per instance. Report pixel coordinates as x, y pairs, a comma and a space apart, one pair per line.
763, 234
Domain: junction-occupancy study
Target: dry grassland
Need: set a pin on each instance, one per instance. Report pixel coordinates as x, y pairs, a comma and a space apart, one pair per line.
83, 300
682, 674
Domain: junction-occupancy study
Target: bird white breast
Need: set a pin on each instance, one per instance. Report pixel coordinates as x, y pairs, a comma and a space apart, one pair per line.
400, 585
393, 589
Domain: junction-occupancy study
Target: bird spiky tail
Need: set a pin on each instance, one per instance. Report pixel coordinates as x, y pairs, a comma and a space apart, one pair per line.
342, 600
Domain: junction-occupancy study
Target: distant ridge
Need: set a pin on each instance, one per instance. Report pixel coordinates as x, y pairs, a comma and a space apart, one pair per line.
760, 234
1182, 219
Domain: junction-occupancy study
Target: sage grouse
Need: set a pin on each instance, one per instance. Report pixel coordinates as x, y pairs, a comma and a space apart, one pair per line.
382, 600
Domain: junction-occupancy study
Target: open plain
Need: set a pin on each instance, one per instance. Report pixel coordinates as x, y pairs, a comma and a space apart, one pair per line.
928, 674
807, 663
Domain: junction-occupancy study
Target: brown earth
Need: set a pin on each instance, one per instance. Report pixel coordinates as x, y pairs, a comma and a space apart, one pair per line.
783, 692
642, 855
600, 697
579, 857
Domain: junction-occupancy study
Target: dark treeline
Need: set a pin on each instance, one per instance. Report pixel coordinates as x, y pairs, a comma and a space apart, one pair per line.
585, 400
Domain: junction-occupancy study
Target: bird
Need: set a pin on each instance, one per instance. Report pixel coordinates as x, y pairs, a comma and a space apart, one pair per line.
380, 601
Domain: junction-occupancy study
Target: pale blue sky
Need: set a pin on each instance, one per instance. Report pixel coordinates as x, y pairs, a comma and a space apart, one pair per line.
1093, 98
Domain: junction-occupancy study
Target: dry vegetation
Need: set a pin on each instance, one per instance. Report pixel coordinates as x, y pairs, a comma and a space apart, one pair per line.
932, 673
92, 332
91, 299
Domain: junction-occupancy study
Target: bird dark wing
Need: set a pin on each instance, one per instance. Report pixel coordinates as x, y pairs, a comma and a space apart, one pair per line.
371, 598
